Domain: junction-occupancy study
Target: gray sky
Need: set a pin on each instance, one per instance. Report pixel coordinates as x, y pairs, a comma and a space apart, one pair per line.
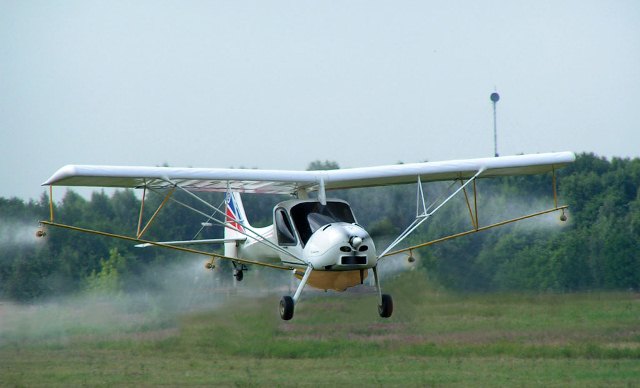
277, 84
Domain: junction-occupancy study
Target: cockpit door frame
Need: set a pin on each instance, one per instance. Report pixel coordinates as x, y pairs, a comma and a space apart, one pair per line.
283, 223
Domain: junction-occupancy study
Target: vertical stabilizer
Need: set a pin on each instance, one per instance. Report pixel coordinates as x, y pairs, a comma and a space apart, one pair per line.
235, 220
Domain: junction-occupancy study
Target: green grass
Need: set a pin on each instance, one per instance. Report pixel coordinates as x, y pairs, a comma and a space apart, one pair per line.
434, 338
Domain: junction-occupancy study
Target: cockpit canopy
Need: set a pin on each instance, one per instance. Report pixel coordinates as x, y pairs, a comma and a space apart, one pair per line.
306, 217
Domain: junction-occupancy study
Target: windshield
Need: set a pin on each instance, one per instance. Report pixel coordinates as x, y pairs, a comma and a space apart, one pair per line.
317, 220
311, 216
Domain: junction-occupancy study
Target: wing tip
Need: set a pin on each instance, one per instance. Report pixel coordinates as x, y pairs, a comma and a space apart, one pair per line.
62, 173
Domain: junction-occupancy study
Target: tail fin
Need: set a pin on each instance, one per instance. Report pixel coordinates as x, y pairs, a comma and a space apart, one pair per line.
236, 221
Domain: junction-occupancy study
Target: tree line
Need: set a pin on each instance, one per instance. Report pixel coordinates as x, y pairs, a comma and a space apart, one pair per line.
597, 248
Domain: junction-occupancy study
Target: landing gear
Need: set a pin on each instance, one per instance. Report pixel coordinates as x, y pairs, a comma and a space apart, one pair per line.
385, 303
238, 271
287, 303
386, 308
286, 308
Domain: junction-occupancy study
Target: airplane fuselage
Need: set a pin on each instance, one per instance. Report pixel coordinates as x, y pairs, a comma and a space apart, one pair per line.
325, 237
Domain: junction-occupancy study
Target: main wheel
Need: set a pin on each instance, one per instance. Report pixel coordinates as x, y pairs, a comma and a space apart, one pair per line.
239, 275
286, 308
386, 309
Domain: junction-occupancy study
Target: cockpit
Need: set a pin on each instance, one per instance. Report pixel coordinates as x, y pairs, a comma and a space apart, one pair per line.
307, 217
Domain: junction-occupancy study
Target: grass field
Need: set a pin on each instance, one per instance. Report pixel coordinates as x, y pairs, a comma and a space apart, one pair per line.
435, 337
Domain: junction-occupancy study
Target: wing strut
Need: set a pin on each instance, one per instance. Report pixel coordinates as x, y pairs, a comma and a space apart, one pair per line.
254, 235
476, 230
144, 195
322, 195
426, 214
165, 245
51, 203
472, 213
476, 224
153, 217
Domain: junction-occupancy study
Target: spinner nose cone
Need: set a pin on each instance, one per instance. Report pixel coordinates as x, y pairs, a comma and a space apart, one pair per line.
355, 242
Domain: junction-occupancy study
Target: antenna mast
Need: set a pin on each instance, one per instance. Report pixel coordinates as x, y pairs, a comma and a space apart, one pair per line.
495, 97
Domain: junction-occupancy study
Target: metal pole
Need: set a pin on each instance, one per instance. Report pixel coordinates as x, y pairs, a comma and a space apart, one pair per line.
495, 97
495, 132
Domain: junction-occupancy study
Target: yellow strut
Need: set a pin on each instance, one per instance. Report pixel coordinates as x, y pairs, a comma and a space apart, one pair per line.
162, 245
466, 197
51, 203
144, 194
153, 217
475, 230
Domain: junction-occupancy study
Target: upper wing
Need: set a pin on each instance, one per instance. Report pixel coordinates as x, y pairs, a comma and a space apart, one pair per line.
447, 170
195, 179
288, 182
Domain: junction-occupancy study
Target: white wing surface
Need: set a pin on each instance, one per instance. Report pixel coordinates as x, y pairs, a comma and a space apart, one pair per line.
288, 182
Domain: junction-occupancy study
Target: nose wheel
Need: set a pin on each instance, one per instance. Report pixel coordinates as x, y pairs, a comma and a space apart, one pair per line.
287, 303
286, 308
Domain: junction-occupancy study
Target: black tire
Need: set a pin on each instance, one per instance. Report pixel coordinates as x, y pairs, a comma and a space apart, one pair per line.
239, 275
286, 308
386, 309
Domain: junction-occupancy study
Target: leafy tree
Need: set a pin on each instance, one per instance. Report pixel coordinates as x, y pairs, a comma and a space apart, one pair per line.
320, 165
108, 279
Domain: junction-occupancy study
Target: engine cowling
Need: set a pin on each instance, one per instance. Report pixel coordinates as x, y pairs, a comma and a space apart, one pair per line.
340, 246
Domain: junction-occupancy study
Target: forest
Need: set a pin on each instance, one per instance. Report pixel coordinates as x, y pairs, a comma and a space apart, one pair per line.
596, 249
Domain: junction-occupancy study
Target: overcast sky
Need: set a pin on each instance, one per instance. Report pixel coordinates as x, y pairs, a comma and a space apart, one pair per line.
278, 84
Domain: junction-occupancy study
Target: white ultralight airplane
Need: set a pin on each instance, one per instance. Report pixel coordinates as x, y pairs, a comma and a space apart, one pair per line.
318, 239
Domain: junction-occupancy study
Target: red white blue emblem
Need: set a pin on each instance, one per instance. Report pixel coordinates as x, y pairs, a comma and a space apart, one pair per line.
233, 215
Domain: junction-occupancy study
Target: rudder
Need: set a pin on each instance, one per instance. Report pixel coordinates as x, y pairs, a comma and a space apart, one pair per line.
236, 222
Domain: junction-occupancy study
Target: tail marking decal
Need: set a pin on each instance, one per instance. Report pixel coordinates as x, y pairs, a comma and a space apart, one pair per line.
233, 215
